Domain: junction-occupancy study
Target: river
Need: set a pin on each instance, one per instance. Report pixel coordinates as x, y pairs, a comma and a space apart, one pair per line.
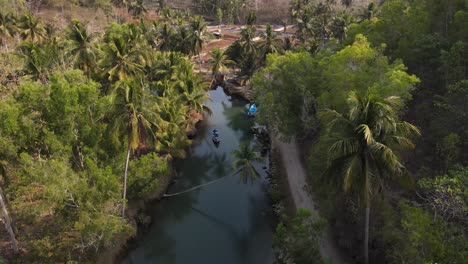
225, 222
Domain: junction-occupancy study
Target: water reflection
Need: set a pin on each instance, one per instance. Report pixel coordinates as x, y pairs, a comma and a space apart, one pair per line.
237, 120
225, 222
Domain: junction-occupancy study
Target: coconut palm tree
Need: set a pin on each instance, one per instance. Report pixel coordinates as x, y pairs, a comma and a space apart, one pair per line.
304, 22
30, 27
172, 138
197, 38
163, 66
120, 61
270, 43
339, 26
184, 41
244, 158
219, 61
195, 101
137, 8
165, 37
81, 46
7, 27
251, 18
321, 20
247, 36
367, 136
368, 13
297, 7
134, 117
234, 51
35, 62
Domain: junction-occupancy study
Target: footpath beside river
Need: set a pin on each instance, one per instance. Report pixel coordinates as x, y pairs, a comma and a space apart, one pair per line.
296, 176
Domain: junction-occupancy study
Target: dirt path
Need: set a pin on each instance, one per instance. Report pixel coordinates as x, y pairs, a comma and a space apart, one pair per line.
297, 181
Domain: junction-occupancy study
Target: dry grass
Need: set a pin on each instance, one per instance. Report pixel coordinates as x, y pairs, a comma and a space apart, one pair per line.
59, 17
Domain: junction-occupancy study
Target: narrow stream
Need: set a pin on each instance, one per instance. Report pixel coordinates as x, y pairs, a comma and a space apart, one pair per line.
225, 222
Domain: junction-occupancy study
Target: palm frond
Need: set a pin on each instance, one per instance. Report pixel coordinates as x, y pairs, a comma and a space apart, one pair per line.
407, 129
386, 158
366, 132
344, 147
353, 169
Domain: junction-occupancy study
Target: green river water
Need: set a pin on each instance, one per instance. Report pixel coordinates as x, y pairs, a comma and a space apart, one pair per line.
227, 222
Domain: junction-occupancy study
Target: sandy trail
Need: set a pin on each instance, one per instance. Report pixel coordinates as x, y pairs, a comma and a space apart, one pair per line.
297, 181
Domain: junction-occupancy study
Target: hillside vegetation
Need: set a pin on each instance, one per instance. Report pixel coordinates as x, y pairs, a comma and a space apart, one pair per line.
94, 110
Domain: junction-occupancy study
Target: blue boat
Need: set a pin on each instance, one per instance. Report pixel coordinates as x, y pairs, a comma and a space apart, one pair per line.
252, 110
215, 136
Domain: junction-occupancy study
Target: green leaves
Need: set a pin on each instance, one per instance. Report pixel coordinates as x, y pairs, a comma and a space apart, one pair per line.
286, 91
363, 69
425, 239
447, 195
64, 136
297, 239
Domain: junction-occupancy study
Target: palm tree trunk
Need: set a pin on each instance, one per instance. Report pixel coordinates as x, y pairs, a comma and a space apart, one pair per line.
7, 222
367, 200
124, 195
366, 235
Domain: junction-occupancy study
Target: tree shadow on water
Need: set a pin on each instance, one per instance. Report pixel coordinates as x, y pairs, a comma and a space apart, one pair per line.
157, 248
238, 121
242, 238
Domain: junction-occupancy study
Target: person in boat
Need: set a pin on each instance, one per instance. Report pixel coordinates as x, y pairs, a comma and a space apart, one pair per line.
215, 135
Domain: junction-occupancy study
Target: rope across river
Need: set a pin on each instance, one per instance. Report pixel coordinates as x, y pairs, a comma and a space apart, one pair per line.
200, 186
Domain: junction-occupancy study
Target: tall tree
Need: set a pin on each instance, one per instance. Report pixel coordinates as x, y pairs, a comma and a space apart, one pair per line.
37, 60
30, 27
247, 39
197, 37
364, 149
219, 61
137, 8
120, 61
133, 117
165, 37
7, 27
270, 43
81, 46
339, 26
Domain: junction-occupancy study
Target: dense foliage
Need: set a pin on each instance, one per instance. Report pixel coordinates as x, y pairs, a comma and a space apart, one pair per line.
81, 110
91, 120
377, 54
297, 239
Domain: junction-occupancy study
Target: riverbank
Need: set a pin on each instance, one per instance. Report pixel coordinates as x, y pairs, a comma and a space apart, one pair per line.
296, 177
135, 211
